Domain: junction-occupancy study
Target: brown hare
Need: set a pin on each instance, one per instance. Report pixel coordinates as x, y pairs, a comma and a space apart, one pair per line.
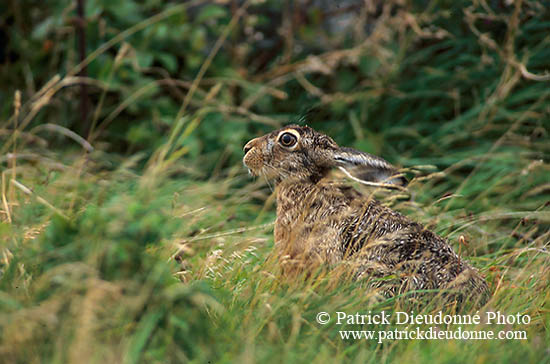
321, 221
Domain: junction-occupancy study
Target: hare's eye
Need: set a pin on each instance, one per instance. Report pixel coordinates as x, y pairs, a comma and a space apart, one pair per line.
288, 140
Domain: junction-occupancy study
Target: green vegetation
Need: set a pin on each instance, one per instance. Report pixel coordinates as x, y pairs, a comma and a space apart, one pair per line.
130, 231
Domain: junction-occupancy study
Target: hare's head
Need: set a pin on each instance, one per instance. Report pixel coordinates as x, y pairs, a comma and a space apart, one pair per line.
300, 153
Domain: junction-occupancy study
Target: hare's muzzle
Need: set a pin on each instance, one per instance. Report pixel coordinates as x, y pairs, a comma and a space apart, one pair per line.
250, 145
253, 158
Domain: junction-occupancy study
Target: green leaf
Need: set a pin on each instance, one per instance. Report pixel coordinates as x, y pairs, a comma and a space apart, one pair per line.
145, 59
169, 61
139, 339
198, 38
210, 12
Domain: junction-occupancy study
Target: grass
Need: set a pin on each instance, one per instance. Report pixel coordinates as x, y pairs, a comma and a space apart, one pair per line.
153, 257
113, 265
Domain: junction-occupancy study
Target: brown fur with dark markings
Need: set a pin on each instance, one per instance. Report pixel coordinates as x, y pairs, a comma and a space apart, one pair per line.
320, 221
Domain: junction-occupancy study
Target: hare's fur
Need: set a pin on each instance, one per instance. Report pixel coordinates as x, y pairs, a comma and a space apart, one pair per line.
323, 222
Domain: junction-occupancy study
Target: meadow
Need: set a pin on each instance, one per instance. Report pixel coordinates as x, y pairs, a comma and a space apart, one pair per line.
131, 232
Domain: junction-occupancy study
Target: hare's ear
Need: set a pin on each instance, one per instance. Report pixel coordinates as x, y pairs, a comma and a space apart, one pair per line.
367, 168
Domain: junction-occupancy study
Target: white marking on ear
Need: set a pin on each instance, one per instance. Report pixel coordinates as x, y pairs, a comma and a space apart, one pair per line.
358, 158
373, 184
368, 169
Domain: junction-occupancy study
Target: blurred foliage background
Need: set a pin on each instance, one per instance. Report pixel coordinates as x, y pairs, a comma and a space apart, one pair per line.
121, 143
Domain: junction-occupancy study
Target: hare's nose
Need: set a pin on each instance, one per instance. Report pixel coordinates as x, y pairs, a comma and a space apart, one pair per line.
251, 144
